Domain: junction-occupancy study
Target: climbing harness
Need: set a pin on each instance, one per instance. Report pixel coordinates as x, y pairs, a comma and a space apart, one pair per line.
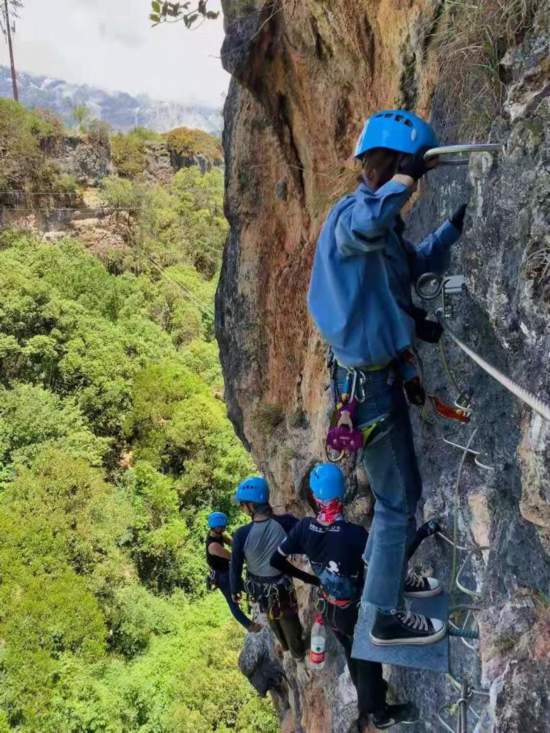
326, 605
343, 435
210, 580
333, 601
274, 597
461, 152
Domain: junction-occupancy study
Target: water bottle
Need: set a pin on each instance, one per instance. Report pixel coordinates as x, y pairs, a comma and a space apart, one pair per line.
317, 645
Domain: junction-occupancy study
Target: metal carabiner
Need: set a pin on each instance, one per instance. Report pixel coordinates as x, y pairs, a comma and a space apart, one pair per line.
362, 380
353, 385
273, 601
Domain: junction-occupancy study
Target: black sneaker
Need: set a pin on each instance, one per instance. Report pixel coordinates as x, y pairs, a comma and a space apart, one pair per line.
420, 586
404, 714
406, 628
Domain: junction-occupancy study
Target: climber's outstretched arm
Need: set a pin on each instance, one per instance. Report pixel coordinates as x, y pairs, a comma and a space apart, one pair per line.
280, 562
433, 254
237, 561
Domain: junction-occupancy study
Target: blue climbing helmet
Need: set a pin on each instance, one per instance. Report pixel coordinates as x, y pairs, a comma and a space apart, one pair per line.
395, 129
327, 482
217, 519
253, 489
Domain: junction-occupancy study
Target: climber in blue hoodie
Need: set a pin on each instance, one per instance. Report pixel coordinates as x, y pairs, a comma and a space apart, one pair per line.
360, 299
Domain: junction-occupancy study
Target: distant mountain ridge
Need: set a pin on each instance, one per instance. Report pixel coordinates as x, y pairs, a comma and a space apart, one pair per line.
121, 110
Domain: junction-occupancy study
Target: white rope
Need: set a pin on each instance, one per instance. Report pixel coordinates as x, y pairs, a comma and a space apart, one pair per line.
534, 402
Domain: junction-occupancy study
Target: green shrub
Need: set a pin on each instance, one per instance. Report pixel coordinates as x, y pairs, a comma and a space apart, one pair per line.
98, 133
121, 193
25, 135
128, 151
187, 142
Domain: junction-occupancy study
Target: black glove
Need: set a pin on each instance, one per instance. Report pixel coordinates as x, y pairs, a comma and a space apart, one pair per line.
415, 392
457, 219
414, 165
430, 331
426, 330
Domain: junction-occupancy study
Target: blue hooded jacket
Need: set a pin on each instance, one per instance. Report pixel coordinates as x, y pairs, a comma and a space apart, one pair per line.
360, 289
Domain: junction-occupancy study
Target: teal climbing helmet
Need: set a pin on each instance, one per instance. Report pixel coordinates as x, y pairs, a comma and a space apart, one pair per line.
327, 482
396, 129
217, 519
253, 489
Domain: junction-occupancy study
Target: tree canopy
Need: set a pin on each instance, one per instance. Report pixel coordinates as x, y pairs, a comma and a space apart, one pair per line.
114, 447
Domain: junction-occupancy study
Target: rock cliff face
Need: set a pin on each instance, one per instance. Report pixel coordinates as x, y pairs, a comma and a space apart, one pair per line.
305, 75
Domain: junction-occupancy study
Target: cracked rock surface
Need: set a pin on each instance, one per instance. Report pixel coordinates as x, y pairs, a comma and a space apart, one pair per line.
305, 75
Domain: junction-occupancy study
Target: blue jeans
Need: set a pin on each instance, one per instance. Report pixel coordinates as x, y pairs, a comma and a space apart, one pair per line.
390, 462
222, 581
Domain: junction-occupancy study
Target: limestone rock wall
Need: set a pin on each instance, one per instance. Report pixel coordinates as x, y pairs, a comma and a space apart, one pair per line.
305, 75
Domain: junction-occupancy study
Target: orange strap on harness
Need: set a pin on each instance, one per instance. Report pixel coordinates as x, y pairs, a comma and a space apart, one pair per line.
335, 601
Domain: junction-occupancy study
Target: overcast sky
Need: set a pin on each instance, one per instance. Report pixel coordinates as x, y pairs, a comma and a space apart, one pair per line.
110, 43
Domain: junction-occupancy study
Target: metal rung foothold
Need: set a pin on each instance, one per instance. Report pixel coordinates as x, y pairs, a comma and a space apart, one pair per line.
483, 465
463, 448
440, 717
467, 591
472, 452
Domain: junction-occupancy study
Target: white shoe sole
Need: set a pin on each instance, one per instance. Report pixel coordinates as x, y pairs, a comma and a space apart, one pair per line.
424, 593
417, 640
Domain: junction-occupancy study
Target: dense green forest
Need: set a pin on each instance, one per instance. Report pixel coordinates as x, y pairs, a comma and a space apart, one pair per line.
114, 446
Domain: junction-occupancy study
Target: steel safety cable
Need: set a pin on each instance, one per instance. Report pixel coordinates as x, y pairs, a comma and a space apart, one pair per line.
535, 403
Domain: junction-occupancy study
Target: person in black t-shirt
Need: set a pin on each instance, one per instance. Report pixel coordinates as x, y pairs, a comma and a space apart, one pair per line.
334, 548
218, 559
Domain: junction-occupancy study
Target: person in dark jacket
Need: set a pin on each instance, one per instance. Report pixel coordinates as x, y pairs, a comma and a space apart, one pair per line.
271, 588
334, 548
217, 558
360, 299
